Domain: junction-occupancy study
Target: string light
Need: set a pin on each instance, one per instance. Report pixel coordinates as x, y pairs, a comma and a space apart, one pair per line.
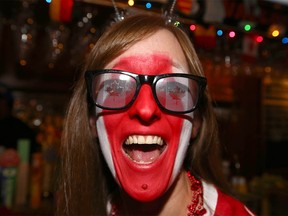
285, 40
259, 39
219, 32
247, 27
275, 33
131, 3
232, 34
148, 5
192, 27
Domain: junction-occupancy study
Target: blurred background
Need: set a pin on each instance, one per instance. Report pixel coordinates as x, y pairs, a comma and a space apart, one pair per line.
242, 44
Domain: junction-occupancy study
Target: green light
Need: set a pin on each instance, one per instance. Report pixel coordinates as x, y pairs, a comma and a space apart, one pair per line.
247, 27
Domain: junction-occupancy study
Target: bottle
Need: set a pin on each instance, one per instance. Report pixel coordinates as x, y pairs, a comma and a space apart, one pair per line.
36, 180
9, 161
23, 149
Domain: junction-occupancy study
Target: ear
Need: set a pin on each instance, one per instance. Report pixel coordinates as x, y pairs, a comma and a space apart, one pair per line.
196, 126
92, 123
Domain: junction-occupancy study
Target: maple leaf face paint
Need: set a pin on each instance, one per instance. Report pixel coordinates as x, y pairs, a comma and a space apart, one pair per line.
143, 145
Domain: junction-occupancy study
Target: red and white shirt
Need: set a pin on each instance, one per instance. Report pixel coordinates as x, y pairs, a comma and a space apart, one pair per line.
217, 203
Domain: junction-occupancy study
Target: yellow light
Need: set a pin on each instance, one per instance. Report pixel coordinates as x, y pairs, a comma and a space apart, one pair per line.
93, 30
275, 33
23, 62
131, 2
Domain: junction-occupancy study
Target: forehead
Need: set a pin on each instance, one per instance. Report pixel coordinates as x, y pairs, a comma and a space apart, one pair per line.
161, 48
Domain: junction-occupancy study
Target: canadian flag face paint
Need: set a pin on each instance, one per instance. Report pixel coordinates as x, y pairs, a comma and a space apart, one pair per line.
143, 145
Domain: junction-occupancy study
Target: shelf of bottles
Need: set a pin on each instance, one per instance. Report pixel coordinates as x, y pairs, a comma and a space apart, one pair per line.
28, 186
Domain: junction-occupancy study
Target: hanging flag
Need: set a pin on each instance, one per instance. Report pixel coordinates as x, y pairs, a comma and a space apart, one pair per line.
61, 10
185, 6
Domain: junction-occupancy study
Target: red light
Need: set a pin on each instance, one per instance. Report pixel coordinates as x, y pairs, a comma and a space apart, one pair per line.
192, 27
259, 39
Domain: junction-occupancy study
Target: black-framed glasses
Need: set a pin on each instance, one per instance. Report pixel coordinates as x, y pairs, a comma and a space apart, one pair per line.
117, 89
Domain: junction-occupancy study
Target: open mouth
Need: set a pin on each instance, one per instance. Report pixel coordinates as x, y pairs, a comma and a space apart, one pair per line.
144, 149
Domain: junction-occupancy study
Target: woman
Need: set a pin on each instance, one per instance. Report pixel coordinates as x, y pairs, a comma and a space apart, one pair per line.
140, 136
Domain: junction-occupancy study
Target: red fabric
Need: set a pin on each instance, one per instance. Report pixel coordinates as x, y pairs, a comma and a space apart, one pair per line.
227, 205
66, 10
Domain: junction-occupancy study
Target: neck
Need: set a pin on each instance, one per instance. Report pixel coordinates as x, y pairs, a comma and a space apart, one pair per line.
173, 202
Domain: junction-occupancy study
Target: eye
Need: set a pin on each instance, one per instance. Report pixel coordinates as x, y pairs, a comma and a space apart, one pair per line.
176, 90
114, 87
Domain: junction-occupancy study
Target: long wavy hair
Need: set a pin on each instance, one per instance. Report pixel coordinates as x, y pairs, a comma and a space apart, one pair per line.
85, 181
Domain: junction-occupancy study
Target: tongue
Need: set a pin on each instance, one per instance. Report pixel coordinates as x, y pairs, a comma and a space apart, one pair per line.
143, 153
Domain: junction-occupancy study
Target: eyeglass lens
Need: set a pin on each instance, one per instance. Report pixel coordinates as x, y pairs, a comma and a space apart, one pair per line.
116, 91
113, 90
177, 93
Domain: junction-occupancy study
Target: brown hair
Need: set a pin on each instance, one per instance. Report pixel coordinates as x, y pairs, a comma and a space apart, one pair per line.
85, 181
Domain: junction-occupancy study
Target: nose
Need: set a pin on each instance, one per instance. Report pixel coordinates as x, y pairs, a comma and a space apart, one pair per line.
145, 107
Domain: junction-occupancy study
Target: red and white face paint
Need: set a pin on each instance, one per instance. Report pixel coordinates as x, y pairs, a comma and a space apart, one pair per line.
144, 146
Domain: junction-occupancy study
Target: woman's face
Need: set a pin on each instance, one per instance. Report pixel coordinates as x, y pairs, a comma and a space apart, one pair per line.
144, 146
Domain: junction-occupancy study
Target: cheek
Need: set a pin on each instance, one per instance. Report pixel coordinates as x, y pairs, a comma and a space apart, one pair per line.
107, 126
105, 144
184, 141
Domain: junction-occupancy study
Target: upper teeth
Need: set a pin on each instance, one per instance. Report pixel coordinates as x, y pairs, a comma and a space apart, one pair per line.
140, 139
